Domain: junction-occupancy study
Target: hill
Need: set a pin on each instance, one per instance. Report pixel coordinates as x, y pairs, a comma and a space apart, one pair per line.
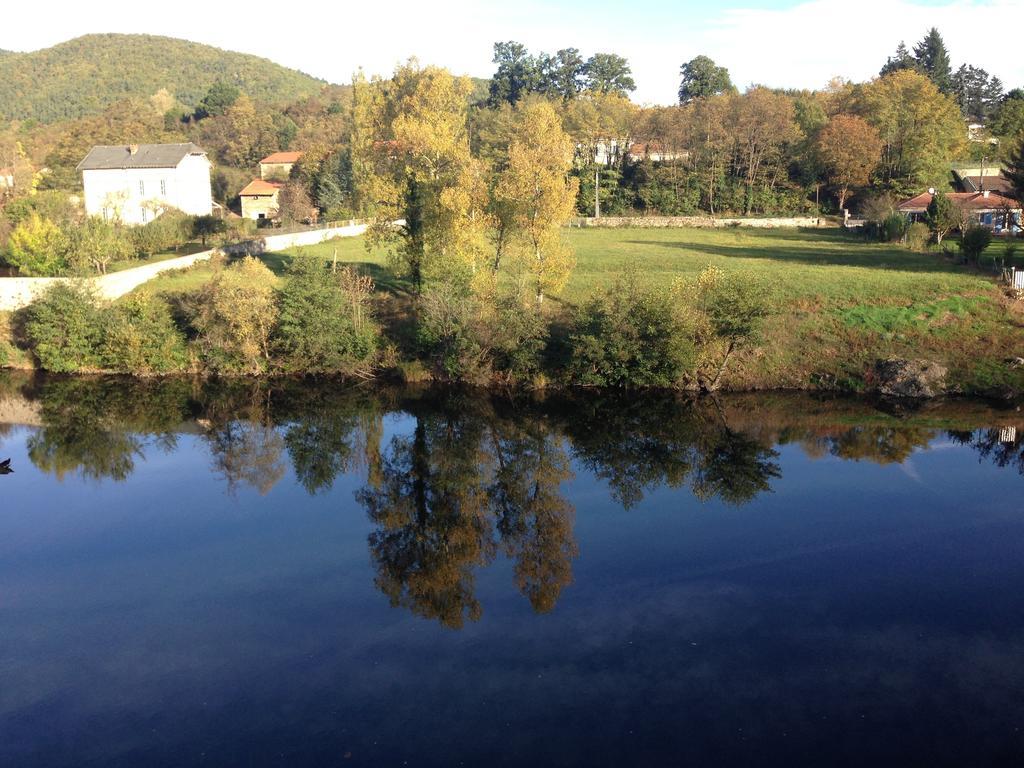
85, 75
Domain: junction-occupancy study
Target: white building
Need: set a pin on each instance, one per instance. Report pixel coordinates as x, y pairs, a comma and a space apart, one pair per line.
135, 183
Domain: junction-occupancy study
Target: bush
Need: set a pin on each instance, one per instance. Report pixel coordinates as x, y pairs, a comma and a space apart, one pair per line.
140, 337
64, 328
324, 324
918, 236
38, 247
974, 241
630, 337
893, 227
448, 334
233, 316
166, 232
517, 336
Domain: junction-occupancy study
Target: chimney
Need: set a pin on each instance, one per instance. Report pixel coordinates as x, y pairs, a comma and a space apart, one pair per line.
931, 190
984, 193
133, 149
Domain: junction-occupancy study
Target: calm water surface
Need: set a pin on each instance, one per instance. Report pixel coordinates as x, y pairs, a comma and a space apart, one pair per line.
313, 575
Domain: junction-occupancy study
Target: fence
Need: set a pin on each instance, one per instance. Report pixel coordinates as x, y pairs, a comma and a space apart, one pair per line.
705, 222
17, 292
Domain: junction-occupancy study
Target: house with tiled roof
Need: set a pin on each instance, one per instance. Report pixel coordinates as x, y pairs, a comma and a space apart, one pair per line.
135, 183
278, 165
989, 209
259, 199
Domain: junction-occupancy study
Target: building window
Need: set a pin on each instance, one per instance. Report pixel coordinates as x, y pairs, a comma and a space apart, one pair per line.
142, 188
163, 187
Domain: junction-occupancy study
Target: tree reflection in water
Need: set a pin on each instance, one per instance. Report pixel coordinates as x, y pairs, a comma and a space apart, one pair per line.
474, 475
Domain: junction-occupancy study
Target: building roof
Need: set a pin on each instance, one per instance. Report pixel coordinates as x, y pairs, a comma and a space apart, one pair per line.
975, 201
260, 187
992, 183
281, 157
138, 156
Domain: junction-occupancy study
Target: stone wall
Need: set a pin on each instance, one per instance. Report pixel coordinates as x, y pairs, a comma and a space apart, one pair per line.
706, 222
16, 292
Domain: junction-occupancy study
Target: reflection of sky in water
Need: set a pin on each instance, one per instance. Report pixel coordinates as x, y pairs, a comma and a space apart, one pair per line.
857, 613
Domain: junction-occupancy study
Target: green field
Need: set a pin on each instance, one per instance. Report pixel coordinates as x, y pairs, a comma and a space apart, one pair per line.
839, 302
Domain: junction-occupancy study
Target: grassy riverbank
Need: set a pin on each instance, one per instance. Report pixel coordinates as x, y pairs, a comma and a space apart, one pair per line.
838, 302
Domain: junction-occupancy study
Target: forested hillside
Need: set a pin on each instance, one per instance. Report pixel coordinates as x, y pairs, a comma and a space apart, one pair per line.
85, 75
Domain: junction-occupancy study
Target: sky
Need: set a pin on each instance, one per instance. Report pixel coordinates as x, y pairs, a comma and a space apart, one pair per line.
771, 42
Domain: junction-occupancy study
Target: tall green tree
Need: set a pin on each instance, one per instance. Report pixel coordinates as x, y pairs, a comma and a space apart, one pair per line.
518, 73
902, 59
609, 73
702, 78
933, 59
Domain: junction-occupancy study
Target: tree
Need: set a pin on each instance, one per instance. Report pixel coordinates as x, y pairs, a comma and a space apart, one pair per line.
921, 129
293, 203
850, 149
64, 328
762, 123
901, 60
95, 243
207, 226
942, 215
702, 78
233, 315
1009, 119
609, 73
538, 195
734, 309
933, 60
518, 73
563, 75
1014, 169
978, 94
420, 169
218, 99
38, 247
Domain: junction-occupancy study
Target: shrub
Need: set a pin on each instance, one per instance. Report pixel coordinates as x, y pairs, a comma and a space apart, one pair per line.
516, 336
64, 328
38, 247
918, 236
324, 324
893, 227
631, 336
166, 232
233, 316
140, 337
448, 333
974, 241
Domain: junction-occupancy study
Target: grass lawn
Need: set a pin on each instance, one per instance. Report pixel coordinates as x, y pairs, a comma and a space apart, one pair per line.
840, 302
186, 250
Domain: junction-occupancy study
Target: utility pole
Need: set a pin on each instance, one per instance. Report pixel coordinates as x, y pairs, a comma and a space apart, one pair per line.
981, 182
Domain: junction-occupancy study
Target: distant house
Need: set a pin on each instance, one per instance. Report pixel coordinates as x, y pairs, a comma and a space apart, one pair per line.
278, 166
989, 209
977, 178
135, 183
260, 199
655, 152
260, 196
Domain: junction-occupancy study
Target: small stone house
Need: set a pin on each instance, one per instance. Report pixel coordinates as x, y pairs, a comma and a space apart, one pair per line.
260, 199
135, 183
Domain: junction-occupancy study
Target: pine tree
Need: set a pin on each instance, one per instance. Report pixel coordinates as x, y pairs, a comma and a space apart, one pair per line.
901, 60
1014, 169
933, 59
